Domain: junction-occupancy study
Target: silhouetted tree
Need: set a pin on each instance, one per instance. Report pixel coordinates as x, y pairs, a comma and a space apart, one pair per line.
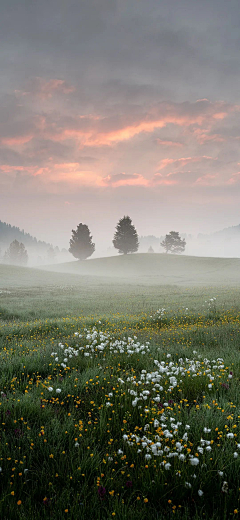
174, 243
150, 249
125, 238
16, 254
81, 245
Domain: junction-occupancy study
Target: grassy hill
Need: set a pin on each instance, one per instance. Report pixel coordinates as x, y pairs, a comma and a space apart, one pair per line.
130, 285
158, 269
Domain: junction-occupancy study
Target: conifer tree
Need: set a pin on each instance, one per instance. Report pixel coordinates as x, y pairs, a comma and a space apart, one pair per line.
81, 245
125, 238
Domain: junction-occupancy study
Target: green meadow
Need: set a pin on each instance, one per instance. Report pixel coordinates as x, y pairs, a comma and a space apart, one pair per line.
119, 381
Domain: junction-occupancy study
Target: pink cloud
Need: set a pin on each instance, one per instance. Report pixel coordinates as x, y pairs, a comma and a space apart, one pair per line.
17, 141
182, 161
123, 179
99, 131
234, 179
164, 181
206, 180
163, 142
45, 89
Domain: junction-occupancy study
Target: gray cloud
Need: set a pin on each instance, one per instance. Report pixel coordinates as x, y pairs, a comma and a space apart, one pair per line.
91, 89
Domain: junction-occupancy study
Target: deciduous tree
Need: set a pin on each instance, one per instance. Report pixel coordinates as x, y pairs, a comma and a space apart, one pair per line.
173, 243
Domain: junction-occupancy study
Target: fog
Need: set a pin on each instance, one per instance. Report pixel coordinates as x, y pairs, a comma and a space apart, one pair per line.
225, 244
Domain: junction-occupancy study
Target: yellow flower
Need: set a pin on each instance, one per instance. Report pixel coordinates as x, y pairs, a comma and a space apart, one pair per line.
145, 500
51, 456
12, 493
19, 502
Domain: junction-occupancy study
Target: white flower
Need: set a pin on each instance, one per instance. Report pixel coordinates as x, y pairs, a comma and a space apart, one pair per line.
220, 473
120, 452
58, 390
0, 470
235, 455
187, 427
148, 456
125, 437
206, 430
188, 485
76, 444
26, 470
200, 493
167, 465
194, 461
181, 456
50, 388
210, 386
225, 487
230, 435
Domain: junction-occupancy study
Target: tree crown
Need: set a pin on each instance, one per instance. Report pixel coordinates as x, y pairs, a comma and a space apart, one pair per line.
174, 243
81, 245
125, 238
16, 253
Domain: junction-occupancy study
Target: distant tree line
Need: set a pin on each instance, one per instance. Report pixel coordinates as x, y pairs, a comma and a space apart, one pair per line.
125, 240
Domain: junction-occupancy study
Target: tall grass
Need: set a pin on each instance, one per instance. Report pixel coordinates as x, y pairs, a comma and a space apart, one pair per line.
85, 402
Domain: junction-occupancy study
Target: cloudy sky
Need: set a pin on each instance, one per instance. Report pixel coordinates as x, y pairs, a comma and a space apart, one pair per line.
113, 107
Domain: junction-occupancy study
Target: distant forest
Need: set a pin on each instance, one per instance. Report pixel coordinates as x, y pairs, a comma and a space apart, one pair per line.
9, 233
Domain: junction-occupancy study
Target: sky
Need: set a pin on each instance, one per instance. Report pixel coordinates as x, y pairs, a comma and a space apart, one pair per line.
119, 107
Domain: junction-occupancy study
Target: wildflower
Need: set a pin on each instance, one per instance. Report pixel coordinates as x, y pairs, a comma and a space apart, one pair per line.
225, 487
194, 461
50, 388
235, 455
220, 473
167, 465
230, 435
145, 500
19, 502
200, 493
58, 390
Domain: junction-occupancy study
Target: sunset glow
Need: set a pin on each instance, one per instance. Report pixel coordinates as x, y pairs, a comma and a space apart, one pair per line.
134, 115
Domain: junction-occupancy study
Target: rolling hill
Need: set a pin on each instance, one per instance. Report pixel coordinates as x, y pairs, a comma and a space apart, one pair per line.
159, 268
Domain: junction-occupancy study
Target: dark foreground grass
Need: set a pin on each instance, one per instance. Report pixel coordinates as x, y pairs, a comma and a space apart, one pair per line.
91, 436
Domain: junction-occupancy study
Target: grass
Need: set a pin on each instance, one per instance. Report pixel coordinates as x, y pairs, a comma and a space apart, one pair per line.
90, 374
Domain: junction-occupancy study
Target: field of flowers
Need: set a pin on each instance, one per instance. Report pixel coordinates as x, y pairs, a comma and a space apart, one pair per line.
130, 417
